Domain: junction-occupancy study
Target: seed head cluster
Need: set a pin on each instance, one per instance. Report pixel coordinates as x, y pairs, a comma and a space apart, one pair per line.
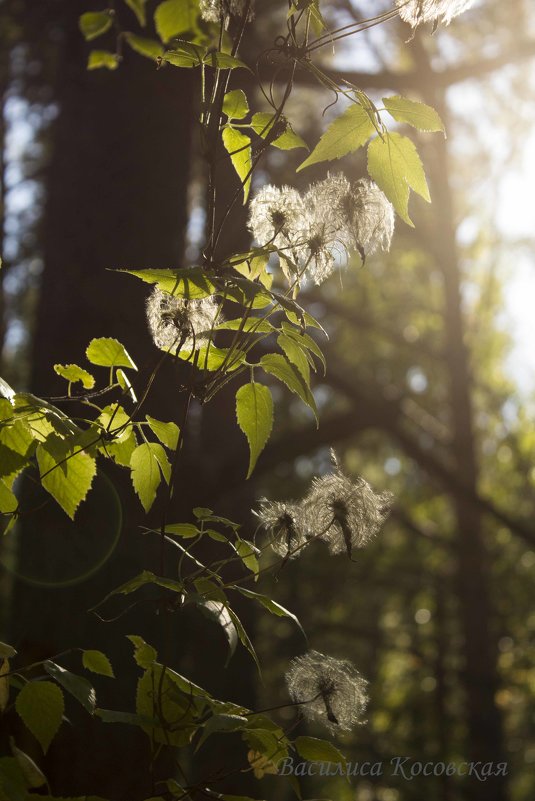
416, 12
329, 691
177, 323
221, 10
343, 512
323, 227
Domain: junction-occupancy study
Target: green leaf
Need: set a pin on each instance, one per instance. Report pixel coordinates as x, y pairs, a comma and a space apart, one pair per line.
248, 554
145, 47
277, 365
102, 59
271, 605
223, 61
305, 341
187, 282
262, 123
138, 7
254, 411
295, 354
185, 530
8, 499
185, 54
235, 104
95, 23
218, 612
141, 580
244, 637
395, 166
32, 773
238, 145
315, 750
40, 705
147, 463
419, 115
167, 433
13, 785
97, 662
347, 133
144, 654
65, 474
108, 352
175, 16
162, 693
73, 373
77, 686
222, 722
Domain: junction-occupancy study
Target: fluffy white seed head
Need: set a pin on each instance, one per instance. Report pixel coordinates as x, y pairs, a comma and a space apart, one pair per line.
345, 513
221, 10
276, 216
330, 691
178, 323
372, 217
285, 523
416, 12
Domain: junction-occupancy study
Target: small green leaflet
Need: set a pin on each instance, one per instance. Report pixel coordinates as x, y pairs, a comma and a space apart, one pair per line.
419, 115
175, 16
295, 354
147, 462
235, 104
347, 133
99, 59
73, 373
97, 662
254, 412
395, 166
144, 654
138, 7
108, 352
238, 146
167, 433
263, 122
77, 686
40, 705
186, 282
279, 366
94, 23
145, 47
248, 553
271, 605
315, 750
65, 474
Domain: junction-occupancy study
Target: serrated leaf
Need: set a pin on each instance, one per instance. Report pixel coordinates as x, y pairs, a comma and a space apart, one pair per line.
262, 123
73, 373
108, 352
187, 282
167, 433
235, 104
295, 354
138, 7
145, 47
278, 366
248, 554
94, 24
40, 705
254, 412
271, 605
238, 146
8, 499
144, 654
395, 166
185, 54
65, 474
347, 133
102, 59
77, 686
173, 17
97, 662
148, 463
315, 750
419, 115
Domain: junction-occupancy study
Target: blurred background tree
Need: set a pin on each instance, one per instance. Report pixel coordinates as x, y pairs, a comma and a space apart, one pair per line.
419, 394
